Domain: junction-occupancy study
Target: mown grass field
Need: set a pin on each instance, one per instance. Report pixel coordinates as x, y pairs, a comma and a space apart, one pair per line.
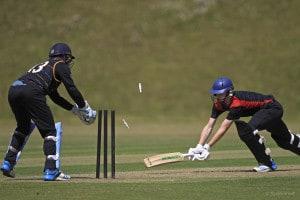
227, 175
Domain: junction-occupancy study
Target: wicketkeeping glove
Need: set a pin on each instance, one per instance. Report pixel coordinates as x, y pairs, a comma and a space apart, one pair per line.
86, 114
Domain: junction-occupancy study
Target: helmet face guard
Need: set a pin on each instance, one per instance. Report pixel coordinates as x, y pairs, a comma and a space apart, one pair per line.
224, 98
69, 59
219, 97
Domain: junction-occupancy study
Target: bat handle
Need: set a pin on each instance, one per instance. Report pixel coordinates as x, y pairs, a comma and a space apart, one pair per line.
187, 154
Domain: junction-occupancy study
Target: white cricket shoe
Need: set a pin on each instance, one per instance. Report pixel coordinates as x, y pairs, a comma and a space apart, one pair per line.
63, 177
265, 168
262, 168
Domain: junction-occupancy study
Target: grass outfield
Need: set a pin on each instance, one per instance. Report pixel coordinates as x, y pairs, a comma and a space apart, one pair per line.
227, 175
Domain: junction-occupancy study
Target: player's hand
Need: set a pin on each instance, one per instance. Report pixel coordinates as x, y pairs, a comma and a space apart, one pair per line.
198, 150
203, 156
86, 114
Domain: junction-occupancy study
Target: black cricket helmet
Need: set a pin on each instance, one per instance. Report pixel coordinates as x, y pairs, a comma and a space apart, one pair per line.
60, 49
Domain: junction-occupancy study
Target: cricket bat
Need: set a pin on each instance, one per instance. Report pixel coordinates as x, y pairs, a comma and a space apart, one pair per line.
165, 158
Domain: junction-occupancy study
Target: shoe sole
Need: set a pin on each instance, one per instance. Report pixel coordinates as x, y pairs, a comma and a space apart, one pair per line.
58, 179
260, 171
61, 179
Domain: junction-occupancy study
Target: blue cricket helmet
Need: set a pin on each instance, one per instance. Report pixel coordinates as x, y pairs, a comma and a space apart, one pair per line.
221, 85
60, 49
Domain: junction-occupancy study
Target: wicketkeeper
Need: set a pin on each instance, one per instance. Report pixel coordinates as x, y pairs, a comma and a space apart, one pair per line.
266, 113
27, 99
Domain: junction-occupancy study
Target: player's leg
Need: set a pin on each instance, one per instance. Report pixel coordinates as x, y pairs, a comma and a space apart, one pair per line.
283, 137
256, 145
43, 118
32, 127
272, 122
21, 132
260, 121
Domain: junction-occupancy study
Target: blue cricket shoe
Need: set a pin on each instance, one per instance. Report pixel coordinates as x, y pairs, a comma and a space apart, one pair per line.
7, 169
55, 175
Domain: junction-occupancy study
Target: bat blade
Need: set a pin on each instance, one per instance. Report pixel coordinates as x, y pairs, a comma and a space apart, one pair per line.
164, 159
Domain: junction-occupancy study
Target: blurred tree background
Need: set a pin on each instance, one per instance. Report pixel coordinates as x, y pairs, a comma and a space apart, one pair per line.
175, 48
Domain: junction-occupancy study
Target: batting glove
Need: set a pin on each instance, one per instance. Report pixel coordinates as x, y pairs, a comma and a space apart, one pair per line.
203, 156
200, 152
198, 149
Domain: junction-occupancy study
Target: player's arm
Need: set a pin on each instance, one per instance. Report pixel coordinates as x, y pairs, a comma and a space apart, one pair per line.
201, 152
215, 113
220, 132
206, 131
82, 109
56, 98
63, 73
202, 146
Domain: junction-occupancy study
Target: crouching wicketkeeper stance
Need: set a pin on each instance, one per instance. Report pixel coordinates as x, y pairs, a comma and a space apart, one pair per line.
266, 114
27, 99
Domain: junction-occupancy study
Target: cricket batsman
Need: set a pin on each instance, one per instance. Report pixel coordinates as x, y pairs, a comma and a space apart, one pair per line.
27, 99
266, 114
